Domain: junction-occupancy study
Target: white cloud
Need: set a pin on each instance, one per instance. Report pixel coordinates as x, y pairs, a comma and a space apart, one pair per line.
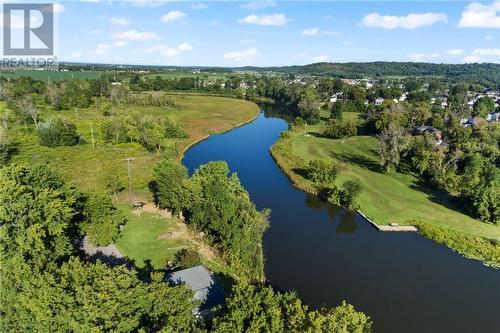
310, 32
170, 51
76, 55
119, 20
484, 55
478, 15
58, 8
303, 54
410, 21
173, 15
147, 3
488, 37
132, 34
241, 55
320, 58
255, 5
423, 57
275, 20
103, 47
184, 47
345, 42
95, 32
199, 6
331, 33
455, 51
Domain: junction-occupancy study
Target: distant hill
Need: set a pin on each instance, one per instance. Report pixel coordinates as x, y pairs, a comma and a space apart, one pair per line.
487, 73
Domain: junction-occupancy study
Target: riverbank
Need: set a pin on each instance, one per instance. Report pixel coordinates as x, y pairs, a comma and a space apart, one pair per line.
387, 198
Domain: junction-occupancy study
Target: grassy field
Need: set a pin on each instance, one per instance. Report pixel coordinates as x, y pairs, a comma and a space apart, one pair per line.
151, 238
87, 168
386, 197
178, 74
52, 75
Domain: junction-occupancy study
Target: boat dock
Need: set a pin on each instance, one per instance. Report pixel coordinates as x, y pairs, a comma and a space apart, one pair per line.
391, 227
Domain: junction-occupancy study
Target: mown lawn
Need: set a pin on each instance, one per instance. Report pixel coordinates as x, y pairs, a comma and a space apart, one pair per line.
146, 238
386, 197
88, 168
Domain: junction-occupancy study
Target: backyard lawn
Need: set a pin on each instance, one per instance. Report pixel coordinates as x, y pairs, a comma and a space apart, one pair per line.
151, 237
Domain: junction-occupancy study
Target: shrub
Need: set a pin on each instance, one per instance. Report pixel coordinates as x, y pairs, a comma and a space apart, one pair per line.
187, 258
101, 220
350, 191
337, 129
57, 132
322, 172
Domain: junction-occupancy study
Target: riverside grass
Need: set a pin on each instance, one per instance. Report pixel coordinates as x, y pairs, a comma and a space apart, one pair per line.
392, 197
88, 168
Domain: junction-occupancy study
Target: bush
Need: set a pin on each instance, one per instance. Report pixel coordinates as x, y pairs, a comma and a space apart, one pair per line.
350, 191
298, 125
187, 258
337, 129
57, 132
322, 172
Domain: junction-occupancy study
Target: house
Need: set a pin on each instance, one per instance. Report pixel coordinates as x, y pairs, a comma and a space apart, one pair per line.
379, 101
203, 283
466, 122
493, 117
420, 130
444, 104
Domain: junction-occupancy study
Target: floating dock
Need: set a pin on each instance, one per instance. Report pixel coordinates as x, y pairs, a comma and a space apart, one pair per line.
394, 227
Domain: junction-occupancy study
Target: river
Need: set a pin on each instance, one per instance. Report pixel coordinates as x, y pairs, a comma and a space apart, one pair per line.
405, 282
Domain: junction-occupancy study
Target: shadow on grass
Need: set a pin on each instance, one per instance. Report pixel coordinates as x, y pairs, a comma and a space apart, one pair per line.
360, 161
439, 197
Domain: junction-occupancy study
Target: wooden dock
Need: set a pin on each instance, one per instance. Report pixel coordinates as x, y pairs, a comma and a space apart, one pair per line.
394, 227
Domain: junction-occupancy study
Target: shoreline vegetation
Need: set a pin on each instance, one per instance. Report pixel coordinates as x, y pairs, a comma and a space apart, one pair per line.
470, 246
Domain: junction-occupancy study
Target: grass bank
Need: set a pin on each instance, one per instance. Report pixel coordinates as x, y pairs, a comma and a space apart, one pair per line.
387, 197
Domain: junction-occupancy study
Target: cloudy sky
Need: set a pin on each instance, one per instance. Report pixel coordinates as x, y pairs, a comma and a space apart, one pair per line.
264, 33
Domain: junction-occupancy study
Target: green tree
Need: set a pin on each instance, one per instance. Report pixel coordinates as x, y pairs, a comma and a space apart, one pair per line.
338, 129
392, 142
351, 189
322, 172
57, 132
309, 106
483, 106
37, 214
167, 185
101, 220
336, 110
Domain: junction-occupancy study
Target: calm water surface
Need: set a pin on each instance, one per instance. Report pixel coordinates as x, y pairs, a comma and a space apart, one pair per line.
405, 282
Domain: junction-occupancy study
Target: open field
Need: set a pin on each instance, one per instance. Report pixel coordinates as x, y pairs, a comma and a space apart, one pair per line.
52, 75
386, 197
178, 74
87, 168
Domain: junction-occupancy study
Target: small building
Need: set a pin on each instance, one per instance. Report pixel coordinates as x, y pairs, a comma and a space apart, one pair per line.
493, 117
203, 283
466, 122
420, 130
379, 101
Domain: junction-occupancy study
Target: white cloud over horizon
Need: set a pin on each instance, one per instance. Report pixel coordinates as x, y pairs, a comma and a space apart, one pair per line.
484, 55
480, 15
170, 51
271, 20
423, 57
310, 32
410, 21
132, 35
454, 51
241, 55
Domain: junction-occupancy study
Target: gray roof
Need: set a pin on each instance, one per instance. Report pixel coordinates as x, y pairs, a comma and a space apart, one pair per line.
205, 286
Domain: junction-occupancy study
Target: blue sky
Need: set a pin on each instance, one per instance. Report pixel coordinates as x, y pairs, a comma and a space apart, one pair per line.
232, 33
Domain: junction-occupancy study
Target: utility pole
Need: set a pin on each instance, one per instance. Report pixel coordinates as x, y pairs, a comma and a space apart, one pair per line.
92, 135
129, 159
